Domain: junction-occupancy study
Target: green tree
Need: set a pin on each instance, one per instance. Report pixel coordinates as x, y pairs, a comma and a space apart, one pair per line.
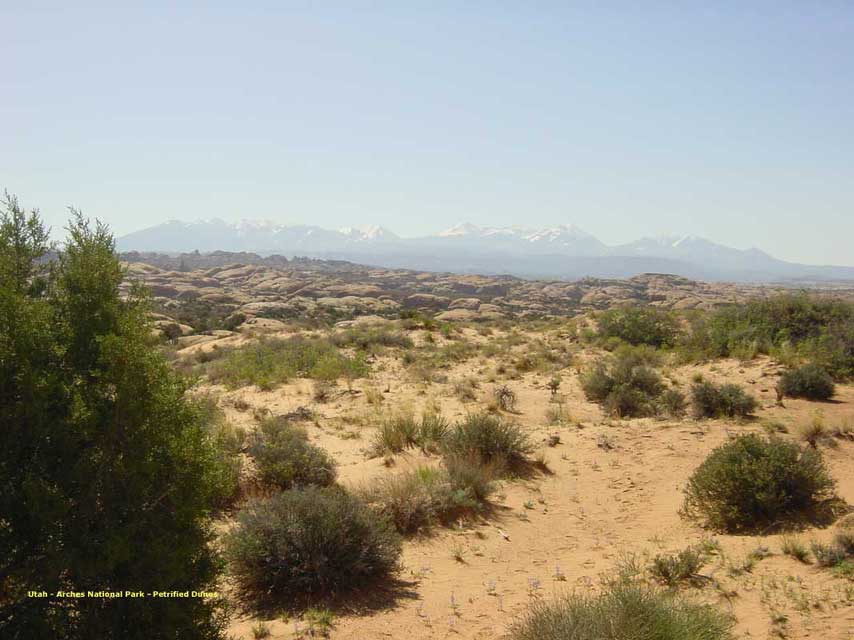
23, 242
639, 325
106, 471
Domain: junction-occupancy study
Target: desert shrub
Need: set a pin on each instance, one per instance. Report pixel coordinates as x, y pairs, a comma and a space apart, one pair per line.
809, 381
171, 331
798, 326
631, 356
597, 383
627, 385
816, 432
557, 414
403, 430
846, 522
285, 458
465, 389
625, 401
413, 500
202, 315
423, 497
227, 443
844, 539
639, 325
505, 398
308, 542
624, 611
471, 477
395, 433
735, 401
679, 567
797, 549
368, 338
233, 321
488, 438
630, 372
452, 353
730, 400
432, 430
751, 483
321, 390
320, 622
672, 403
424, 373
271, 361
414, 319
828, 555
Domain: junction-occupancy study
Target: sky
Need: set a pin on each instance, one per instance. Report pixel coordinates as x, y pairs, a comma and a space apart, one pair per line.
728, 120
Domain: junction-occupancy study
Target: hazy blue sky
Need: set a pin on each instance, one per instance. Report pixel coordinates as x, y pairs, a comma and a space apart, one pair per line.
734, 121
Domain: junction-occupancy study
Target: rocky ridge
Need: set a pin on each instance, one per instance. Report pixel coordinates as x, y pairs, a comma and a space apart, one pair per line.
275, 287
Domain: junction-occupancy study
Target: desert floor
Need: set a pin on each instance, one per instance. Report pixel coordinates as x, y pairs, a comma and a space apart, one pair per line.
613, 491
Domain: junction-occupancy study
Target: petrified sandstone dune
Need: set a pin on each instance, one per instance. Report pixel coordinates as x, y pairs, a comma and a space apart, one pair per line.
279, 288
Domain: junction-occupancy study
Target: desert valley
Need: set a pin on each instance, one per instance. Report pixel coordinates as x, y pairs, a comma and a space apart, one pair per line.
600, 492
405, 320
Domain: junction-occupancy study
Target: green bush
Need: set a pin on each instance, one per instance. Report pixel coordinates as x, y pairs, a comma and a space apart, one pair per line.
489, 439
418, 499
672, 403
227, 442
202, 315
751, 483
309, 542
285, 458
679, 567
413, 500
395, 433
639, 325
839, 554
625, 611
368, 338
471, 477
432, 431
828, 555
844, 539
626, 402
597, 383
809, 381
271, 361
627, 386
730, 400
403, 430
804, 327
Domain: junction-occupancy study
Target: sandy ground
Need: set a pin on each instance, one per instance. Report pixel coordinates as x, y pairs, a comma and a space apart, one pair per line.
614, 488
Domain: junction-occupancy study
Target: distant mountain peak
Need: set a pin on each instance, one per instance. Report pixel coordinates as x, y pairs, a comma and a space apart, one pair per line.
560, 232
562, 250
461, 229
368, 233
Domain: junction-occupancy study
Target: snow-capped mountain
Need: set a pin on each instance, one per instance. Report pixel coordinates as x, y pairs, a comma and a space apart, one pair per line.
462, 230
560, 239
371, 233
562, 251
251, 235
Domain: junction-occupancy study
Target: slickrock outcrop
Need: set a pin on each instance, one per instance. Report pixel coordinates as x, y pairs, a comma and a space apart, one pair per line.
248, 288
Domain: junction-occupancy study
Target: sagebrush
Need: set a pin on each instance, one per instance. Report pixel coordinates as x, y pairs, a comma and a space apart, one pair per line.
754, 483
308, 542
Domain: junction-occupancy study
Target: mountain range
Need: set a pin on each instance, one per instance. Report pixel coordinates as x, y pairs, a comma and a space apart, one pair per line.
560, 252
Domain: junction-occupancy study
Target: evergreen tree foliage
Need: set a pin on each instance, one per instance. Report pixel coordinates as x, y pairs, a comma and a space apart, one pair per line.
106, 471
